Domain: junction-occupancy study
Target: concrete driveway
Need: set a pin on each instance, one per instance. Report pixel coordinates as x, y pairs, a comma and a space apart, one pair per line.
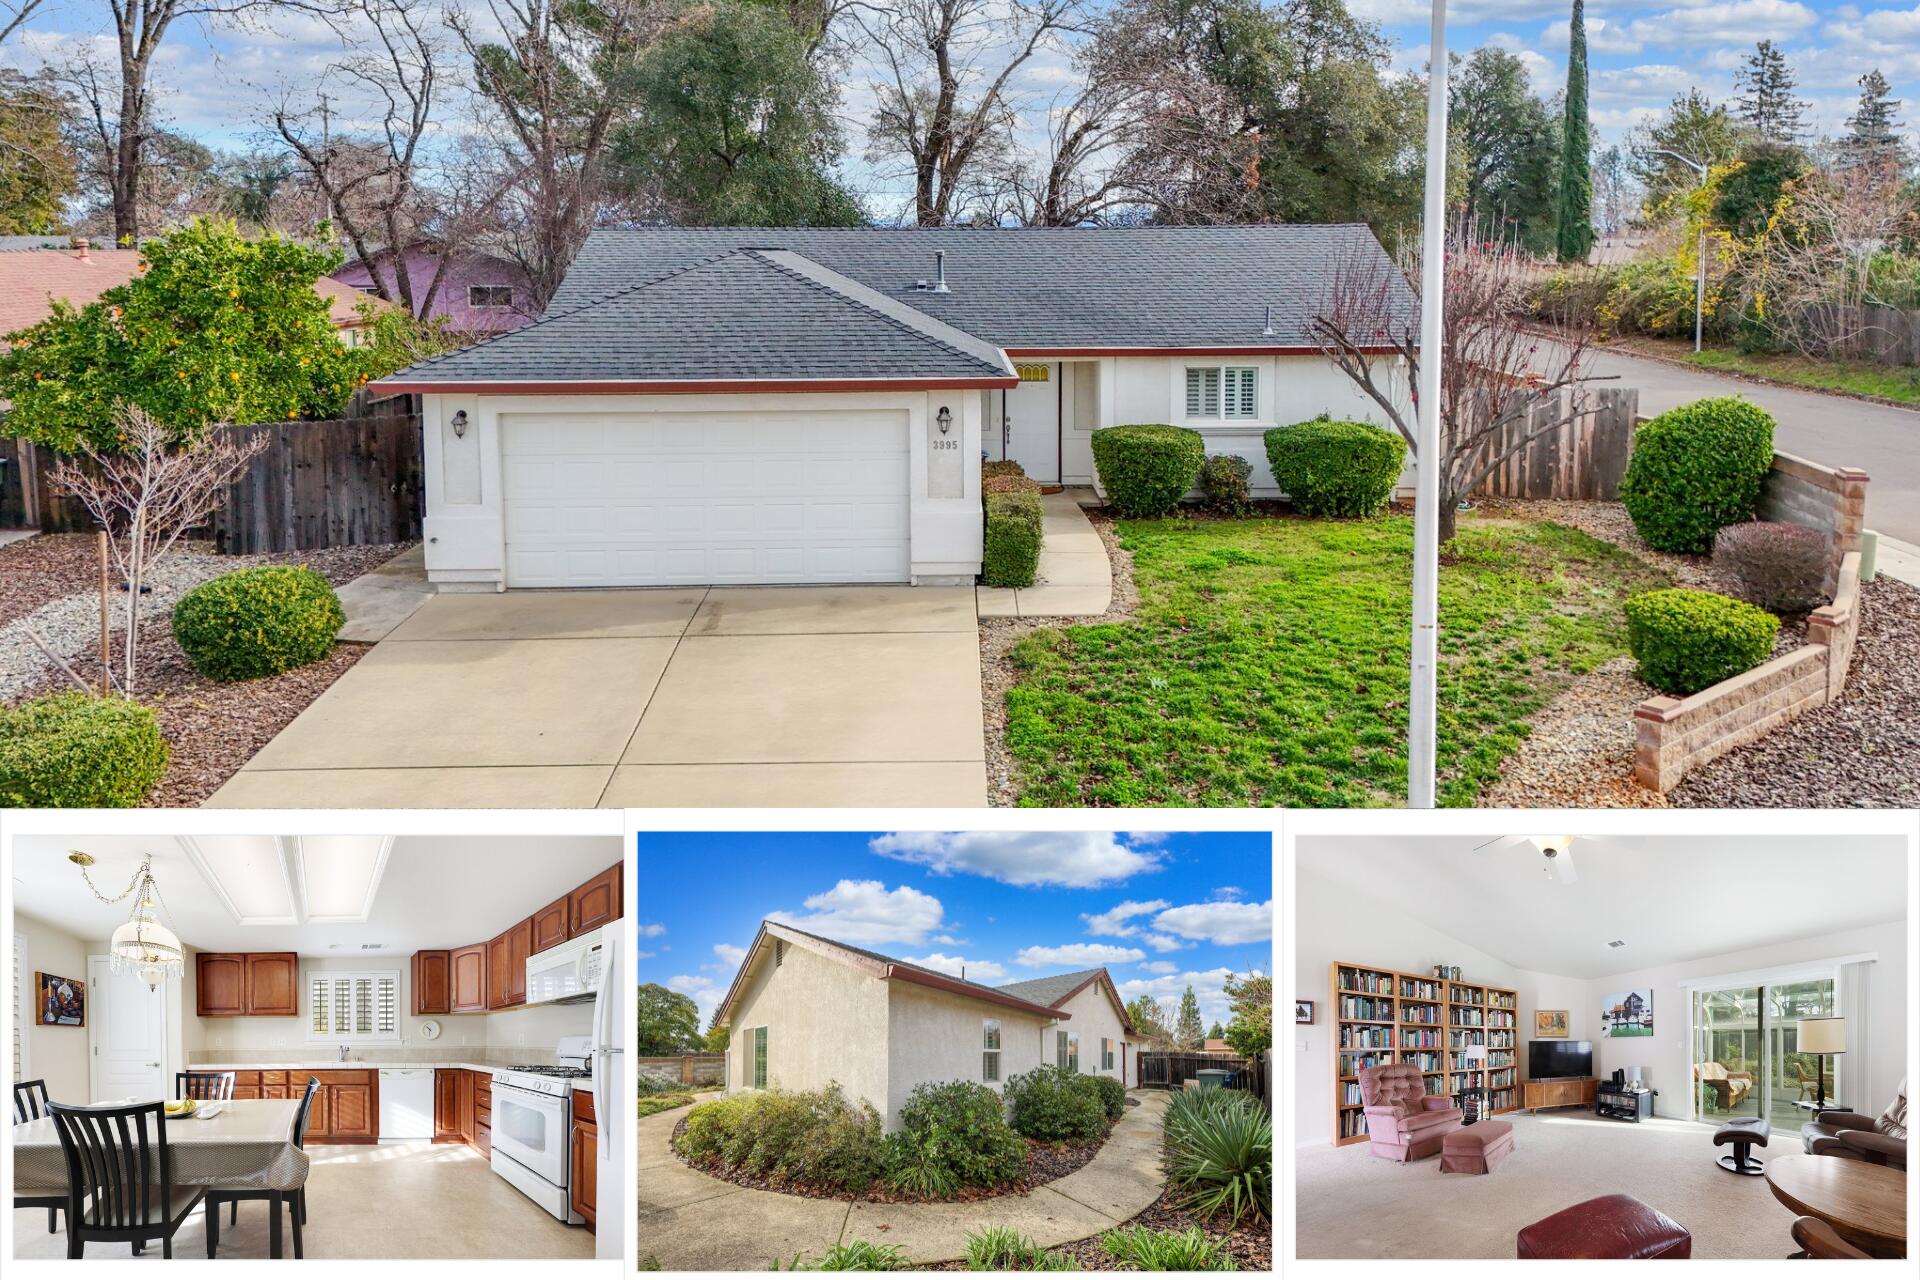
741, 696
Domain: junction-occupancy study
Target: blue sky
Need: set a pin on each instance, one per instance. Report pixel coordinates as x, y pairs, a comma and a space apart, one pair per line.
1161, 912
216, 80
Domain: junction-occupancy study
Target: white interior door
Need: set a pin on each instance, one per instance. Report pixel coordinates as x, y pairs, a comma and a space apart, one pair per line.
1032, 422
126, 1035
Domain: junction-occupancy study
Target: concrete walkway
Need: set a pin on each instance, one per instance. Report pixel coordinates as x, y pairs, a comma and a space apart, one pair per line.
1075, 577
378, 601
693, 1222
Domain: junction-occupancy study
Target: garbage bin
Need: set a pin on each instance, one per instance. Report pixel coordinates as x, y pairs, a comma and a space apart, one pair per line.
1212, 1078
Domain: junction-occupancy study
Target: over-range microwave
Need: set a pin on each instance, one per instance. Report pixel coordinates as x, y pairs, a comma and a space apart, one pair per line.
569, 973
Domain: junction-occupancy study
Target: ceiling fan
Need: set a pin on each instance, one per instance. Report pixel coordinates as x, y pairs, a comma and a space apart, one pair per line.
1556, 853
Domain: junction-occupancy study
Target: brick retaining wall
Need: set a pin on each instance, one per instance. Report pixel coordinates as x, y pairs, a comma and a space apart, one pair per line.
1830, 499
1675, 735
685, 1068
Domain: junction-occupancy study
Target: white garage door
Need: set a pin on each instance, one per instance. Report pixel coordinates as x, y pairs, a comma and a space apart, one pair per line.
650, 499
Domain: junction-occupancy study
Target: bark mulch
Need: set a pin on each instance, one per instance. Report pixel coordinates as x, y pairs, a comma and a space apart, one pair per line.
39, 570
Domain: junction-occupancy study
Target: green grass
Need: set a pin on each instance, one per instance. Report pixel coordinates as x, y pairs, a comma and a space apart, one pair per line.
1268, 662
1852, 377
652, 1104
854, 1255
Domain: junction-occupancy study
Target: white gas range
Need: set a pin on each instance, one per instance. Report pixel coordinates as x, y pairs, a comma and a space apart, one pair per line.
533, 1124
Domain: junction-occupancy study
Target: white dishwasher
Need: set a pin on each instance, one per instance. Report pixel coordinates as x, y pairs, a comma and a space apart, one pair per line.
406, 1104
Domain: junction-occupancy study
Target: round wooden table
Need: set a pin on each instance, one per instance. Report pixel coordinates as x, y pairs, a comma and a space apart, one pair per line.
1865, 1203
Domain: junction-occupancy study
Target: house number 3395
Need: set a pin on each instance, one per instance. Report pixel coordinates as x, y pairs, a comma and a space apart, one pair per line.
941, 445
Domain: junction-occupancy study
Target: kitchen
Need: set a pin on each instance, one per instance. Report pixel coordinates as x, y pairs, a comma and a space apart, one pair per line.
376, 1046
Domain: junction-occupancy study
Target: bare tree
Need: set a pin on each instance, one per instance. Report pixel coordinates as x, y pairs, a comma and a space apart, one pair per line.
147, 496
947, 105
1497, 373
556, 89
14, 15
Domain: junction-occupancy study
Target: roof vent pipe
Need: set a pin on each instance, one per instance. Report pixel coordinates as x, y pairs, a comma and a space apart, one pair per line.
1268, 331
940, 271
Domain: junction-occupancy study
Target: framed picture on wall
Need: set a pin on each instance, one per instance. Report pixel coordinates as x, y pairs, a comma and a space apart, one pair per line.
1303, 1012
59, 1002
1550, 1024
1630, 1013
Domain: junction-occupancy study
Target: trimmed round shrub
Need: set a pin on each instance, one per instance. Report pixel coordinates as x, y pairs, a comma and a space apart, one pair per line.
1146, 468
1006, 477
1780, 567
1010, 553
1051, 1104
1685, 640
1113, 1095
1226, 483
258, 622
1697, 469
953, 1134
818, 1136
1334, 468
74, 751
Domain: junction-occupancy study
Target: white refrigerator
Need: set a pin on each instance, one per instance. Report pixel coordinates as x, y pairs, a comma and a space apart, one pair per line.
612, 1099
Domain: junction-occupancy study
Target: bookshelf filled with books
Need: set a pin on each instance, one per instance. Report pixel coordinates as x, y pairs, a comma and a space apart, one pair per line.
1382, 1016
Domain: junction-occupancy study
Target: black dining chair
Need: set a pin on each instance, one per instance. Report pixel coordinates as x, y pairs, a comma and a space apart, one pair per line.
210, 1086
120, 1187
296, 1201
30, 1103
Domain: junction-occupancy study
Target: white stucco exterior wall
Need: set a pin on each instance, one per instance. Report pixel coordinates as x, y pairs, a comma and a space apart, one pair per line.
934, 1036
825, 1021
1092, 1017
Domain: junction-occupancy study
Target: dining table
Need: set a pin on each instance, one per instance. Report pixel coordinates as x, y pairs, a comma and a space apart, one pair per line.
245, 1144
1866, 1204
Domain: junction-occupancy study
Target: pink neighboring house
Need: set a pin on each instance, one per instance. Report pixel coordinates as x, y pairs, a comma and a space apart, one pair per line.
480, 295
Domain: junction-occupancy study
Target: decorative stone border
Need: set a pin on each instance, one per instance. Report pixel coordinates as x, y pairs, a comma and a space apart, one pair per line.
1830, 499
1674, 735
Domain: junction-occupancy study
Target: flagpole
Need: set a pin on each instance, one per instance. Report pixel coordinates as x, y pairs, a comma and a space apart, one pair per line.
1421, 714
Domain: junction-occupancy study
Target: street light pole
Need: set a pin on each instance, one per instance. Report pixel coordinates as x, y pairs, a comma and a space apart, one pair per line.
1423, 692
1700, 273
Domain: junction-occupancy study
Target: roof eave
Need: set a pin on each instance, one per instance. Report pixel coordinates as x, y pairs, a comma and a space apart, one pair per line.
957, 987
1254, 349
400, 384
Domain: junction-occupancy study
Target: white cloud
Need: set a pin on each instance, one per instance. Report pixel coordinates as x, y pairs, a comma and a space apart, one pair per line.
1224, 924
1075, 859
644, 955
866, 912
727, 956
948, 940
1602, 37
1083, 954
976, 970
1207, 990
1113, 922
651, 930
706, 993
1754, 19
1162, 943
1159, 966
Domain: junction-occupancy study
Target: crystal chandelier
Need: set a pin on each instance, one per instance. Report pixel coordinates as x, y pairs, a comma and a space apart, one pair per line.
142, 944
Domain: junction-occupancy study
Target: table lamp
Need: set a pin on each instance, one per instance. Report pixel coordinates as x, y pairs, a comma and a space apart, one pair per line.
1822, 1036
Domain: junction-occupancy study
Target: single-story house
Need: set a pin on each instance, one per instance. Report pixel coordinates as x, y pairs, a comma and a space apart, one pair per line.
806, 1011
751, 405
480, 294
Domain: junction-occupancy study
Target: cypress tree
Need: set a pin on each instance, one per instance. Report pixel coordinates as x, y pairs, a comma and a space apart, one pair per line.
1576, 174
1873, 130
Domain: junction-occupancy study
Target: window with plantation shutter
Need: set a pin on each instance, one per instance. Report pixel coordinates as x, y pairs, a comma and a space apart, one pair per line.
354, 1008
1223, 392
23, 1007
1243, 396
1203, 393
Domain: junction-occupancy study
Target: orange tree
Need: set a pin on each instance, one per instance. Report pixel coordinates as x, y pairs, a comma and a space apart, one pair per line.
215, 327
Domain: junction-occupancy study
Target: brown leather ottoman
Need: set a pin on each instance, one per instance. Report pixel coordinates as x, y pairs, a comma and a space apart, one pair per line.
1609, 1227
1745, 1134
1478, 1148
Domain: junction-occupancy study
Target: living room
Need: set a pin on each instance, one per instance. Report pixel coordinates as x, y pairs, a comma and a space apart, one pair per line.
1608, 1046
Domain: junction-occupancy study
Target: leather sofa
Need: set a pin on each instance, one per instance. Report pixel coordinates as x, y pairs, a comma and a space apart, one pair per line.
1878, 1139
1404, 1121
1728, 1087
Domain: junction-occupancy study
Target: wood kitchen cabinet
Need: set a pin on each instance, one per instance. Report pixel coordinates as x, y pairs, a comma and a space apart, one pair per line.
259, 984
346, 1106
467, 979
432, 985
550, 924
497, 972
583, 1157
507, 966
594, 903
446, 1104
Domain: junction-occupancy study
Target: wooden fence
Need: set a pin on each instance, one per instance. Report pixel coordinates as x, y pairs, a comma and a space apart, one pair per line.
1873, 333
346, 482
1173, 1070
1582, 458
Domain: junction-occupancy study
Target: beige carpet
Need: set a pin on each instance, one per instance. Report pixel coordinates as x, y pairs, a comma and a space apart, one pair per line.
1351, 1204
404, 1200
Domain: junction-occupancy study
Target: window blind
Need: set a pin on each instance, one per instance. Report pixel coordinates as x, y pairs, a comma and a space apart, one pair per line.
759, 1057
1242, 394
348, 1007
1203, 393
23, 1008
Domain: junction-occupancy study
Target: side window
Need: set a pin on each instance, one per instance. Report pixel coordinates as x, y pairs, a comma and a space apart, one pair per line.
759, 1057
1073, 1051
1060, 1050
990, 1049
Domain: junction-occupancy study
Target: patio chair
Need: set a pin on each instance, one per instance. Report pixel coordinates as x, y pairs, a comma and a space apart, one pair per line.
30, 1103
295, 1200
120, 1185
1727, 1087
1810, 1084
210, 1086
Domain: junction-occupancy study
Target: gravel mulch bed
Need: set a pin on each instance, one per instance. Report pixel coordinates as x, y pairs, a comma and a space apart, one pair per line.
213, 728
1862, 751
999, 635
1045, 1162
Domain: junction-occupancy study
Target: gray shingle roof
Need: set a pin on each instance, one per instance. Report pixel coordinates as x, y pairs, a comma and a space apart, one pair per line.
1038, 287
918, 968
1049, 990
733, 313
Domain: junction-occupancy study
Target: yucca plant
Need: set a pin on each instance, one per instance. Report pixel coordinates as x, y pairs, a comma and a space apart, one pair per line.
1005, 1249
1221, 1153
1151, 1250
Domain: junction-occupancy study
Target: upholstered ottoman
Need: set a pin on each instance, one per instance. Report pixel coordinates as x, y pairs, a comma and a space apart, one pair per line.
1478, 1148
1744, 1135
1609, 1227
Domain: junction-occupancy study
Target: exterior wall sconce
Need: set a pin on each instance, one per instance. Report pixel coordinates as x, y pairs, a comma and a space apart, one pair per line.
460, 424
945, 419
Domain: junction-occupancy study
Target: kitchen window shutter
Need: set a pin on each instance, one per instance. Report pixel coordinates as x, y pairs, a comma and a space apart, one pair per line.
24, 1001
1203, 393
354, 1008
321, 1010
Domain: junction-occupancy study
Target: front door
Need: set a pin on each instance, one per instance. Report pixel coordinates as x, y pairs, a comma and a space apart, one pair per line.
127, 1033
1030, 421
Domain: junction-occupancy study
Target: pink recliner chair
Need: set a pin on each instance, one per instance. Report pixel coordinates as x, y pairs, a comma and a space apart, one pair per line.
1404, 1121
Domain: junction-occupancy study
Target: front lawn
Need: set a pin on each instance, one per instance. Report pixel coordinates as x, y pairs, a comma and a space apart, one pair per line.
1849, 377
652, 1104
1268, 662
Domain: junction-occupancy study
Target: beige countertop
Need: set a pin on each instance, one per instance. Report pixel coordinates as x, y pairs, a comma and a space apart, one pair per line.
334, 1064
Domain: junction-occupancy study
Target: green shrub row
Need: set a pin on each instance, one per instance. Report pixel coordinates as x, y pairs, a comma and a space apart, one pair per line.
1006, 477
952, 1135
820, 1136
1327, 467
258, 622
1696, 469
1146, 468
1686, 640
73, 751
1010, 554
1053, 1104
997, 1248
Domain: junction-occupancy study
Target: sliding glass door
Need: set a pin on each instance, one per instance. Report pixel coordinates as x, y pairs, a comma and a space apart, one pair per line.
1746, 1060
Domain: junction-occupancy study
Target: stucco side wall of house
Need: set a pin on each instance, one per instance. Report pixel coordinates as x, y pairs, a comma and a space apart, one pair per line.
825, 1021
1093, 1019
936, 1037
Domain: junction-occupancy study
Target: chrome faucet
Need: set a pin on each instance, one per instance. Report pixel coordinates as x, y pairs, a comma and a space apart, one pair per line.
343, 1053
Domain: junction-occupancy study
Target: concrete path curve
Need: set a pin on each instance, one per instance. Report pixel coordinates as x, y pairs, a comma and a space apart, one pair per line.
693, 1222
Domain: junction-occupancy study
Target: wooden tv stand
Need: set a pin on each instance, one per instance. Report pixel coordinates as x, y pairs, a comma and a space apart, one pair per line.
1570, 1091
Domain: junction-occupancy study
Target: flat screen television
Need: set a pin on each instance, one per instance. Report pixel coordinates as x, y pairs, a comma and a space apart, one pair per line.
1555, 1059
